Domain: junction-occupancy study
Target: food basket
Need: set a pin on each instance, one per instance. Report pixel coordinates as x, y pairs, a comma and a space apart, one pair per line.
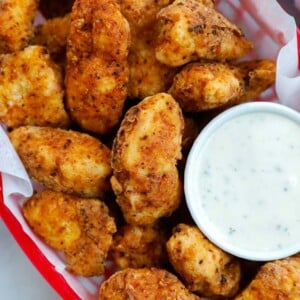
274, 35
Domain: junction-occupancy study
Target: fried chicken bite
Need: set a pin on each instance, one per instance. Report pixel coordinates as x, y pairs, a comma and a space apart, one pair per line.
146, 283
206, 269
202, 86
31, 90
80, 227
97, 68
144, 156
16, 19
139, 246
275, 280
191, 30
62, 160
148, 76
53, 34
206, 85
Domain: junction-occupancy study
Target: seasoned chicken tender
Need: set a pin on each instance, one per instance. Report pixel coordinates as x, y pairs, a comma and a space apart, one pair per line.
202, 86
191, 30
31, 91
97, 67
53, 35
275, 280
66, 161
80, 227
206, 269
144, 156
16, 19
146, 283
139, 246
148, 76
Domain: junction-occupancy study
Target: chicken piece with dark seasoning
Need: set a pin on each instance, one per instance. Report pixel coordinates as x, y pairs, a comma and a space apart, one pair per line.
97, 69
206, 269
80, 227
191, 30
64, 160
144, 160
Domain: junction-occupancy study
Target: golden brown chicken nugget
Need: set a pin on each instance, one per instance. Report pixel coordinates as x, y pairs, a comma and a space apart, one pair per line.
146, 283
144, 157
206, 269
66, 161
53, 34
97, 67
31, 90
80, 227
275, 280
192, 30
139, 246
148, 76
16, 24
202, 86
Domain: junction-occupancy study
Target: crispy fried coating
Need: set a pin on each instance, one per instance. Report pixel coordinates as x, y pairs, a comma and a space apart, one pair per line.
16, 19
53, 34
202, 86
275, 280
31, 90
191, 30
80, 227
55, 8
139, 246
144, 156
66, 161
206, 269
147, 75
257, 75
146, 283
97, 67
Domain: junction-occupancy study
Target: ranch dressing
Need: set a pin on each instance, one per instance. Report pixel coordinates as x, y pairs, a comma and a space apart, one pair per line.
248, 187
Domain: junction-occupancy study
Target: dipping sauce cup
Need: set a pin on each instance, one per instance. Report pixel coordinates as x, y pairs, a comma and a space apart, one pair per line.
242, 181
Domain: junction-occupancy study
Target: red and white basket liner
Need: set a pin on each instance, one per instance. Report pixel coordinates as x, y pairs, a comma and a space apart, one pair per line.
274, 34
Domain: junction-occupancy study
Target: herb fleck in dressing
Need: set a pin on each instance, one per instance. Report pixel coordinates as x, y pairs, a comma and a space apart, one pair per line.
248, 174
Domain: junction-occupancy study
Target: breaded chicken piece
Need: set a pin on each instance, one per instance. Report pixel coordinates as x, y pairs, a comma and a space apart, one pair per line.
66, 161
55, 8
97, 67
257, 75
53, 35
139, 246
80, 227
146, 283
31, 90
144, 156
16, 19
191, 30
148, 76
278, 280
202, 86
206, 269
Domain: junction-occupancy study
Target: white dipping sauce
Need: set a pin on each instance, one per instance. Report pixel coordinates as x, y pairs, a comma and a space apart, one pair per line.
247, 182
